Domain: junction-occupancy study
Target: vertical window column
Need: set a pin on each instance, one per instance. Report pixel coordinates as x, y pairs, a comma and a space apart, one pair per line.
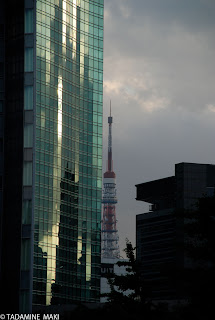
27, 158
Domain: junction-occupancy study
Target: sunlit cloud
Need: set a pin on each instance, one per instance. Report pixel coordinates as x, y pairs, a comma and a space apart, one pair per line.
124, 11
137, 90
210, 107
155, 103
107, 15
112, 87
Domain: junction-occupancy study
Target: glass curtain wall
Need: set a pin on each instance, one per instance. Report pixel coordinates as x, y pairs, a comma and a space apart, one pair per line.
68, 150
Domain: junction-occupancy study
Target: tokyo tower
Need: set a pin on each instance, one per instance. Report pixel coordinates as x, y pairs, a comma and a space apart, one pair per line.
110, 245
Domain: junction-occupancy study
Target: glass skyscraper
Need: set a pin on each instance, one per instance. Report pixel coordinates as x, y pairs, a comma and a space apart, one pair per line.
52, 168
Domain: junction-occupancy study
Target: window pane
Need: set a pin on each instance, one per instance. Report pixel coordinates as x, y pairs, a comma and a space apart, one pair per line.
28, 135
27, 174
28, 59
26, 212
29, 21
25, 256
28, 98
24, 299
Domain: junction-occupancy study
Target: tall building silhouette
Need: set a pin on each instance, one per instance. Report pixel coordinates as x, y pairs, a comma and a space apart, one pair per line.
110, 246
160, 240
51, 94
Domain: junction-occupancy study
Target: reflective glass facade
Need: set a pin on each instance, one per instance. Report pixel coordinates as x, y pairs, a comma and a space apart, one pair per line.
62, 140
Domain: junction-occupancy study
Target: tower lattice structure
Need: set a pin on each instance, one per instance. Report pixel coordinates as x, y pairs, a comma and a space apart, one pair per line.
110, 238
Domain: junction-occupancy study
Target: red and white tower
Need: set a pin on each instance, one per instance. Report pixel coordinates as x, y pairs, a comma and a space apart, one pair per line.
110, 239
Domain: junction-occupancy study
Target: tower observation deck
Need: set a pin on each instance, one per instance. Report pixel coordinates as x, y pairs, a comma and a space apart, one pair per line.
110, 238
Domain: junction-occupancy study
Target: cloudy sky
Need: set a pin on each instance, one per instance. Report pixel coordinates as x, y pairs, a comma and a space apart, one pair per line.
159, 73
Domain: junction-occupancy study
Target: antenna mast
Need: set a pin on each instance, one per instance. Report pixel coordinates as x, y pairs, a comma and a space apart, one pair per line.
110, 246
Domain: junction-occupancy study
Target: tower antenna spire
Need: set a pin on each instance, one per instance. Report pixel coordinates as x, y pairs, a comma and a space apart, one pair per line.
110, 245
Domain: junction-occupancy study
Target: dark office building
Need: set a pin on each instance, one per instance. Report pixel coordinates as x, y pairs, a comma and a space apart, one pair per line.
2, 64
159, 232
51, 104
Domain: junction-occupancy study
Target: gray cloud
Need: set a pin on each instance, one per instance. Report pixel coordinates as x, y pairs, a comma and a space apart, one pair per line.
194, 14
159, 72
